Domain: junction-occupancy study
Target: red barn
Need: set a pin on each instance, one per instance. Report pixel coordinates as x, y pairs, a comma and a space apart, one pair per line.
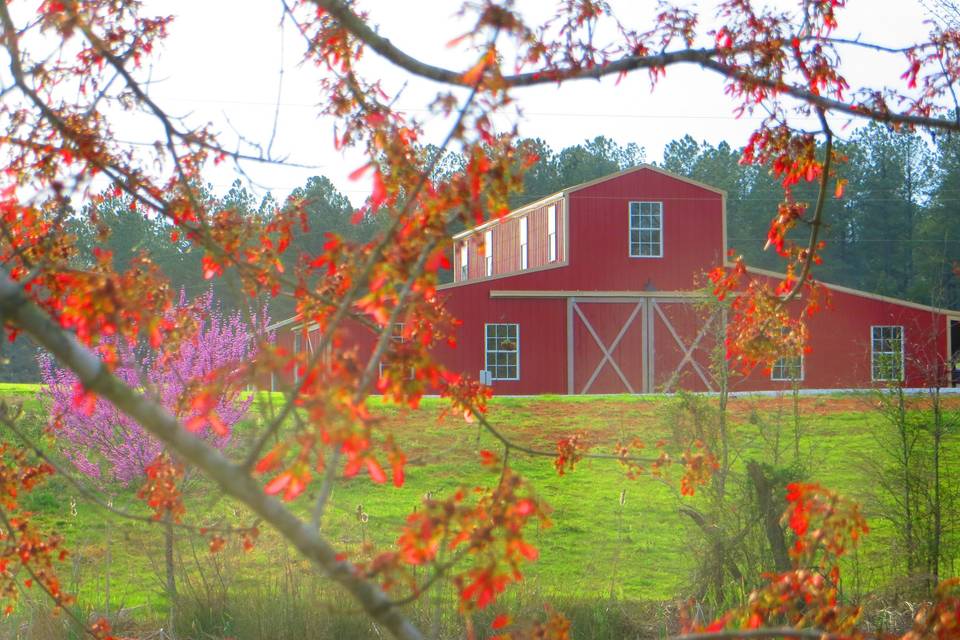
595, 290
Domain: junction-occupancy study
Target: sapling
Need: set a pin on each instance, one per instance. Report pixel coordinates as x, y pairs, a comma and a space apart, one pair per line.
109, 447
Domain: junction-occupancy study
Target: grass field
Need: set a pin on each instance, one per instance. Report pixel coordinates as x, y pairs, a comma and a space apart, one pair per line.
597, 551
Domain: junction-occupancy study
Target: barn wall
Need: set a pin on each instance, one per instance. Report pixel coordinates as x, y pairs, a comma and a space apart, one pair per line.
840, 344
599, 228
542, 339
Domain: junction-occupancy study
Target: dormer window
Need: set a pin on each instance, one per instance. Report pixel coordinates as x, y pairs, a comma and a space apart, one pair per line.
523, 243
488, 252
646, 229
552, 233
464, 261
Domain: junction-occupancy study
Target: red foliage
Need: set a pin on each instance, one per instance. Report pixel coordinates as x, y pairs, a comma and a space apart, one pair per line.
161, 490
27, 555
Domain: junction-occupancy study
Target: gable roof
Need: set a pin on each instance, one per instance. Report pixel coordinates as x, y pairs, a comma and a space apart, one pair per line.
583, 185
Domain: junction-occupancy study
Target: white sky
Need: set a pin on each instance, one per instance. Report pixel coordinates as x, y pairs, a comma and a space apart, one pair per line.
222, 60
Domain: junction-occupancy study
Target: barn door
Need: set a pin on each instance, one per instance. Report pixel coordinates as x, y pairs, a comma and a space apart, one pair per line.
682, 339
606, 339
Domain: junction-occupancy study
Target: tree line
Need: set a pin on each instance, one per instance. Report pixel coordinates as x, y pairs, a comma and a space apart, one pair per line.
893, 232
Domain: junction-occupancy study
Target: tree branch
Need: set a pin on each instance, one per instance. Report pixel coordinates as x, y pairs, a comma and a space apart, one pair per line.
16, 308
704, 58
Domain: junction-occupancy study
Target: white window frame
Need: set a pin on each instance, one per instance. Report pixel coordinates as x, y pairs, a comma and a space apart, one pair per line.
636, 226
874, 352
783, 365
524, 253
465, 261
552, 233
396, 335
487, 352
488, 252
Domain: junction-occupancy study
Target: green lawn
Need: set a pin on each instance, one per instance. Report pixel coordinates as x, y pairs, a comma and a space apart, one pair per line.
596, 549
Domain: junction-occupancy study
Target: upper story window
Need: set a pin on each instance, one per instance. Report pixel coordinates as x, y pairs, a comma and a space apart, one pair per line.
488, 252
886, 353
464, 260
502, 351
523, 243
552, 233
646, 229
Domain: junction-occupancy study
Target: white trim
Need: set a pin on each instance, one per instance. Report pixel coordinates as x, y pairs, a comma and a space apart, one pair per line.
640, 229
873, 352
486, 352
465, 261
512, 274
857, 292
542, 293
552, 248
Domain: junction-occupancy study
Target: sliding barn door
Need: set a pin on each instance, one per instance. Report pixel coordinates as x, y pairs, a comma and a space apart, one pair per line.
639, 345
684, 338
607, 340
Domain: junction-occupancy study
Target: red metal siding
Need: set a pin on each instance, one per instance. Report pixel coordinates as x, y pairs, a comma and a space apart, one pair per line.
542, 338
692, 234
840, 342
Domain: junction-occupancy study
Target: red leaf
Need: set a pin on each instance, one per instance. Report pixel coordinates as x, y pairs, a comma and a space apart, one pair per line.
500, 621
196, 423
397, 460
356, 174
379, 191
376, 471
278, 484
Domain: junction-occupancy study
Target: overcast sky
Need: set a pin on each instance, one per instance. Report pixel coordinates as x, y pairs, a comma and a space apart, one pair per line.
222, 62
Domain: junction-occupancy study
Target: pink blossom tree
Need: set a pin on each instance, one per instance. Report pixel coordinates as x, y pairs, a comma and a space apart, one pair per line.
109, 447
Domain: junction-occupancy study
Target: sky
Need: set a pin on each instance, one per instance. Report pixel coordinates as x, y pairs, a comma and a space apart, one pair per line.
223, 59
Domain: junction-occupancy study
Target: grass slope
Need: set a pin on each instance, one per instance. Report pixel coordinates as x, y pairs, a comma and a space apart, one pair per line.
641, 550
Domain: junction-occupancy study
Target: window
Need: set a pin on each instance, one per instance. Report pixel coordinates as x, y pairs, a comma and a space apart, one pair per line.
886, 353
646, 229
464, 260
787, 368
502, 353
523, 243
396, 336
552, 233
488, 252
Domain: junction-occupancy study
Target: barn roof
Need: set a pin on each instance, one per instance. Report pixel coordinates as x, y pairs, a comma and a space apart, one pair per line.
583, 185
859, 292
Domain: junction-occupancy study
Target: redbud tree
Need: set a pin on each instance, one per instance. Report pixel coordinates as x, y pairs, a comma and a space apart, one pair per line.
110, 447
104, 443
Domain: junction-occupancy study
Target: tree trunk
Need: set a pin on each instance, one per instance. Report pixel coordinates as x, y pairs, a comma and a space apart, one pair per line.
723, 560
937, 534
906, 459
771, 517
171, 575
